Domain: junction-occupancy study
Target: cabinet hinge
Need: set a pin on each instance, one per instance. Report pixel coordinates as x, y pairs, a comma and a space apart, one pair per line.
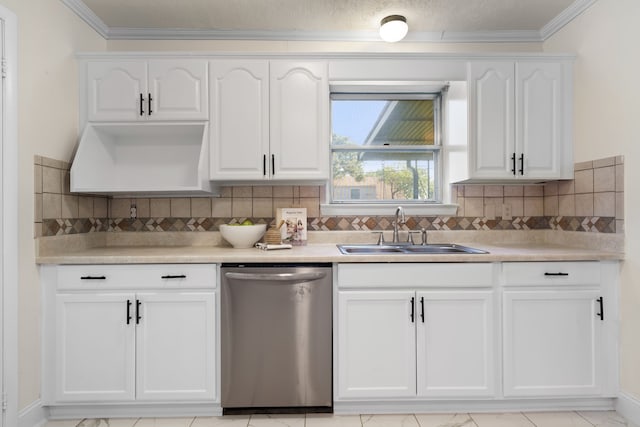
4, 68
4, 402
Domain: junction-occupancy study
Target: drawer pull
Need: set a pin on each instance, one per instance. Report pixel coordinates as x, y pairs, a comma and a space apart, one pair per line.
177, 276
93, 278
556, 274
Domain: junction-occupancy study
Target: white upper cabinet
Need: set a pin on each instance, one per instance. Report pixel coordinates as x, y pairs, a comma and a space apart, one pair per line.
270, 120
491, 130
239, 119
299, 120
519, 120
178, 89
539, 118
164, 89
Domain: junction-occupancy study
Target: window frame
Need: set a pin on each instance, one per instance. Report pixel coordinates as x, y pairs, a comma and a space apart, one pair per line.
436, 149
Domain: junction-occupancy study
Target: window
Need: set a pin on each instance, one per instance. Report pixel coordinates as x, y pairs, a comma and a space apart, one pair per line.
385, 148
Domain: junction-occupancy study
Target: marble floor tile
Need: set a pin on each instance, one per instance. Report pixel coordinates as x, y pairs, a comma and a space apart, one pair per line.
501, 420
62, 423
276, 421
557, 419
226, 421
330, 420
113, 422
389, 421
605, 419
164, 422
445, 420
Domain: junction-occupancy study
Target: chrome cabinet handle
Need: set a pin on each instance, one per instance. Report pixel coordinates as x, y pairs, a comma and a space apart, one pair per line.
280, 277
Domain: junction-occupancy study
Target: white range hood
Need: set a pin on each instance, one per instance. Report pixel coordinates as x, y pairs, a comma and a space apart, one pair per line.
154, 159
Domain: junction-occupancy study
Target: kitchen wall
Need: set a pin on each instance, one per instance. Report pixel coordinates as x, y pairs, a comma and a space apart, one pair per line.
48, 36
606, 88
592, 202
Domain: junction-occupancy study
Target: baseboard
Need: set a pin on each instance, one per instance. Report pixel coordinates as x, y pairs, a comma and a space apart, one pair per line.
134, 410
489, 405
34, 415
629, 407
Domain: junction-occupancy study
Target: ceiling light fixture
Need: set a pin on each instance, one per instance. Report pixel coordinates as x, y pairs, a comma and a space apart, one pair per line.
393, 28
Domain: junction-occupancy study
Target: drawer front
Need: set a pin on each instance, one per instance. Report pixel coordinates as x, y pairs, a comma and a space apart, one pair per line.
414, 275
551, 273
138, 276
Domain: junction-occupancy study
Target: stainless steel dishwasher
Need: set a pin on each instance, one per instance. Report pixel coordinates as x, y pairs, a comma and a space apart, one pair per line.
276, 338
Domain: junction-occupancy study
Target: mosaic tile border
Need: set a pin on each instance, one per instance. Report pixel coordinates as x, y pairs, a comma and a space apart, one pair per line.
55, 227
58, 227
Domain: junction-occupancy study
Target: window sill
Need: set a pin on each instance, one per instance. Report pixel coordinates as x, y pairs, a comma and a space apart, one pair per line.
439, 209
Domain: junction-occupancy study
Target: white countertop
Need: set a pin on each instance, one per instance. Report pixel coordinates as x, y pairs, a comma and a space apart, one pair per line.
316, 252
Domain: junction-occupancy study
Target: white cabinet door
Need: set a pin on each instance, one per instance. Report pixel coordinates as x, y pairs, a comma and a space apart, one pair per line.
95, 349
539, 118
178, 90
175, 346
551, 343
240, 120
299, 120
455, 343
376, 344
491, 119
114, 90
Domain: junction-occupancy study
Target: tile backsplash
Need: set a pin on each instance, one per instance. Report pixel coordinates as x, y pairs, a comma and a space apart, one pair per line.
593, 201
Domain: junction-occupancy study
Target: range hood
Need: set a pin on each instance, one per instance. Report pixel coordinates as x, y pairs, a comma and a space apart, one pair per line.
153, 159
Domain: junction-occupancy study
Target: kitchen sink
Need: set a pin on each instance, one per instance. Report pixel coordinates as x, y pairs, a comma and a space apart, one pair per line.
399, 249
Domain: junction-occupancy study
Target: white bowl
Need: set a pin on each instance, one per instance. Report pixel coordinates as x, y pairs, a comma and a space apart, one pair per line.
242, 236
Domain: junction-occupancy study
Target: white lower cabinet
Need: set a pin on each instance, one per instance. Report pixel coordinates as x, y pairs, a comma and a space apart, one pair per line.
414, 343
455, 343
174, 347
552, 343
376, 344
504, 331
146, 345
559, 329
95, 348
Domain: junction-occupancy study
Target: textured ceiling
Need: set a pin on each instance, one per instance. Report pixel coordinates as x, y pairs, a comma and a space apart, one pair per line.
328, 15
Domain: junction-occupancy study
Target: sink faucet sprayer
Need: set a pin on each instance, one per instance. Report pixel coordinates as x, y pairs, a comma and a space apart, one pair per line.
399, 220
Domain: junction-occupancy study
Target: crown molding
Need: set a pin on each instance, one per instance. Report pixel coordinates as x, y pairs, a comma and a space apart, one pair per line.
87, 15
529, 36
564, 17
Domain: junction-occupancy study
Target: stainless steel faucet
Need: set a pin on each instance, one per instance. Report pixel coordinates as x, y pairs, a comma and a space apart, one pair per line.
399, 220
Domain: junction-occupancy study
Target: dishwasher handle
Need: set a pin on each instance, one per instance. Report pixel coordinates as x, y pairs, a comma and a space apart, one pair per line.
279, 277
